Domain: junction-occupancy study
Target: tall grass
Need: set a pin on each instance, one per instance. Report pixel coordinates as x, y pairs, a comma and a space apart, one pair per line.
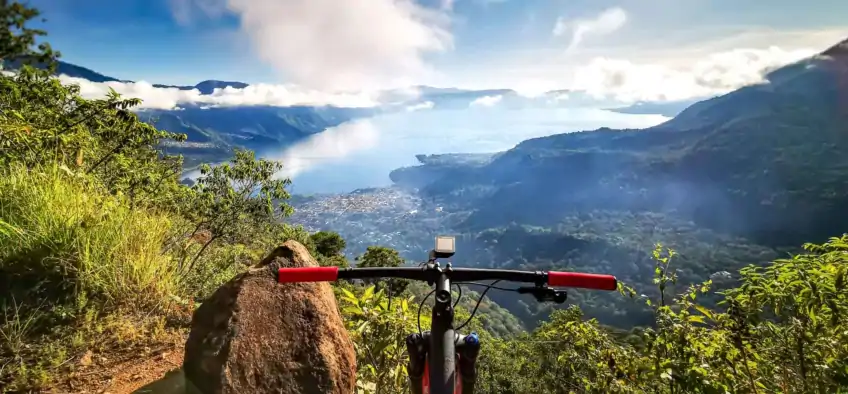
65, 239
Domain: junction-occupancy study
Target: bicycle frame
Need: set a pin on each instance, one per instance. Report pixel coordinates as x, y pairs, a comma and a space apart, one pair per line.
433, 365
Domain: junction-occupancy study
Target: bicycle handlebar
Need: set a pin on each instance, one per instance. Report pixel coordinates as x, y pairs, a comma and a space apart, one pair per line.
551, 278
440, 361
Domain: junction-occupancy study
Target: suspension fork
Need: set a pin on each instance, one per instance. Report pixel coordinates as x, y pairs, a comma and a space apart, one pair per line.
416, 347
435, 357
467, 350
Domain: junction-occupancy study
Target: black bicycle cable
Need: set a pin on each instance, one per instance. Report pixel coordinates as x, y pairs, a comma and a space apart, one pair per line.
423, 300
421, 305
459, 297
479, 300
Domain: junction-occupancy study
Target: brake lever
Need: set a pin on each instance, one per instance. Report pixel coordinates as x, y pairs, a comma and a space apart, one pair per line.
545, 294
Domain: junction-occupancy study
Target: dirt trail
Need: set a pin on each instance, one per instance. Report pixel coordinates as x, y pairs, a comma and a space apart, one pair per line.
126, 374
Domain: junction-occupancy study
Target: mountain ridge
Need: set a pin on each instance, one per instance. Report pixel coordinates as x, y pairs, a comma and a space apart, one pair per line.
443, 97
733, 163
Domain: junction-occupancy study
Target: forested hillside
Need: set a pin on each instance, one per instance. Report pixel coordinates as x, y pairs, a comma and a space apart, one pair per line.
214, 132
104, 255
735, 180
763, 162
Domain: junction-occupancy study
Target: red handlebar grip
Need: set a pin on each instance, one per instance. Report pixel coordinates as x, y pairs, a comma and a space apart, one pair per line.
308, 274
586, 281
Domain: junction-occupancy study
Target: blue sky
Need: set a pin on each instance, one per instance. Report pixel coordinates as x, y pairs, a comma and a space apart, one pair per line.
479, 43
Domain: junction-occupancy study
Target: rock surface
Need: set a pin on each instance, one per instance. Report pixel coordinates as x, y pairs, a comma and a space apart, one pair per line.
257, 336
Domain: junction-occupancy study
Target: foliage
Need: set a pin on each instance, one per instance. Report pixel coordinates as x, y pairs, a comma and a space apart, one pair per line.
328, 243
379, 328
64, 238
43, 122
783, 331
235, 201
72, 258
95, 231
328, 248
95, 227
379, 256
17, 40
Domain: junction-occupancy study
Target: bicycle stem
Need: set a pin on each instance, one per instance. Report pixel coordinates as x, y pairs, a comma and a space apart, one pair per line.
445, 349
442, 340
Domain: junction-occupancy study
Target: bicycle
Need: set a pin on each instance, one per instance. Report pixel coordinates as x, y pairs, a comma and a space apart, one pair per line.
433, 369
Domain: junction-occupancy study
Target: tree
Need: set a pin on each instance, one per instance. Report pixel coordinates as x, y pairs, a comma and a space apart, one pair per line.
328, 243
43, 122
333, 261
17, 41
236, 201
379, 256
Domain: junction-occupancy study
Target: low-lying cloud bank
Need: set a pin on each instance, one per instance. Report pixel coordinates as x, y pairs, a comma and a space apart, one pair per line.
719, 73
608, 78
487, 101
259, 94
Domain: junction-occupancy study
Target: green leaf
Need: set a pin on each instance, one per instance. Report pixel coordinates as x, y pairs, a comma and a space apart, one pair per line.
352, 310
704, 310
696, 319
348, 293
369, 292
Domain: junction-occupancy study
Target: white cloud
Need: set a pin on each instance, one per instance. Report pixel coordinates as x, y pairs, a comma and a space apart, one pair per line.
259, 94
400, 95
486, 101
532, 87
420, 106
332, 144
449, 4
351, 44
560, 97
716, 74
608, 21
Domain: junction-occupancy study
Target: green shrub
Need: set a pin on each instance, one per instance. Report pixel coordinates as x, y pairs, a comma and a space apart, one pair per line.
63, 238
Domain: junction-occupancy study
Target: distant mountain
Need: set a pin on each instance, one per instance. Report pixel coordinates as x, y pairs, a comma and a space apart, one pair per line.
75, 71
734, 180
214, 132
667, 108
766, 162
207, 87
71, 70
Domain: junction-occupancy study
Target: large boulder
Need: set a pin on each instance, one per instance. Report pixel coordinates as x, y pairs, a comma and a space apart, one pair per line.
257, 336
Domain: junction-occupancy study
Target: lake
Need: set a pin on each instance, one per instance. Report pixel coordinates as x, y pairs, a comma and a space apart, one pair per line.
361, 153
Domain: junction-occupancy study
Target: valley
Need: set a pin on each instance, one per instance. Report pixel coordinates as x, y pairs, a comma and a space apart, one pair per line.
725, 182
731, 181
711, 185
